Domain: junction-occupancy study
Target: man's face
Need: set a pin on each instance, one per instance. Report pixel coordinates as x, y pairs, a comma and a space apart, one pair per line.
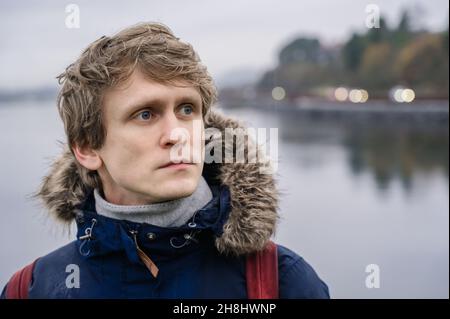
140, 117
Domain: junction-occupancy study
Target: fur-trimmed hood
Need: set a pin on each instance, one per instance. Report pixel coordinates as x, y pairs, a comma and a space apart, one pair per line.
254, 197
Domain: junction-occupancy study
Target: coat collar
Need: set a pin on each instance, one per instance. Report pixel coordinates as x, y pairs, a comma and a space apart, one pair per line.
107, 235
253, 196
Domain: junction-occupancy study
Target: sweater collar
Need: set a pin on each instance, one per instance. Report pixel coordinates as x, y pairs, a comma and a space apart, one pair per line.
171, 213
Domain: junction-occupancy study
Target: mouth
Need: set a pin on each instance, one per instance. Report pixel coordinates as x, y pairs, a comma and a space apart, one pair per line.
180, 165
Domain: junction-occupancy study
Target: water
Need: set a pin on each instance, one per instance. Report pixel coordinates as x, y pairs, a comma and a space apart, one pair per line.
352, 196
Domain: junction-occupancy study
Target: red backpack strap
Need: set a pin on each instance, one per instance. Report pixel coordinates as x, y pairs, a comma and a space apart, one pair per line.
19, 283
262, 273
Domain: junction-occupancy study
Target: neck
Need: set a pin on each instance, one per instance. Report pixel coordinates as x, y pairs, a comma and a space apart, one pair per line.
172, 213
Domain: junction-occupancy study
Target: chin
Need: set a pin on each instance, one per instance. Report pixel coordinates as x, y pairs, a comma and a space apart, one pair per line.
178, 188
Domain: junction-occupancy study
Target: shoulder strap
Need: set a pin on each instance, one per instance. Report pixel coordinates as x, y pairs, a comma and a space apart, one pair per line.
262, 273
19, 283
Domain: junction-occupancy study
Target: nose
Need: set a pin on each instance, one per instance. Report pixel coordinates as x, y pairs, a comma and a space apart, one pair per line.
172, 131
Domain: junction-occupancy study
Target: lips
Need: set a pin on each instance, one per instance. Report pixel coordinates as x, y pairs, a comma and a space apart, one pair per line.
174, 164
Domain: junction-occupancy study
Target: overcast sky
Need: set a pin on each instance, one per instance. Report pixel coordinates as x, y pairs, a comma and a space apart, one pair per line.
230, 35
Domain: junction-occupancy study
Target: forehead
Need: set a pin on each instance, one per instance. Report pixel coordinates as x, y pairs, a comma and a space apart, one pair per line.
139, 89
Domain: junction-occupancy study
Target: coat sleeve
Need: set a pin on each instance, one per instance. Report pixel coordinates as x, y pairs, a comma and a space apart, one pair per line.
297, 279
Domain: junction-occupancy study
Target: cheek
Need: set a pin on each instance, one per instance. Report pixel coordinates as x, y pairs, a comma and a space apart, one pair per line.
126, 157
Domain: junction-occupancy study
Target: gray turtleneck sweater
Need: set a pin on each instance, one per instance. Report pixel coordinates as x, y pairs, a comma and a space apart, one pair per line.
172, 213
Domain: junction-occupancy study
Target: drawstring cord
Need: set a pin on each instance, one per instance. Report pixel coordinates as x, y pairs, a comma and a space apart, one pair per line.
86, 238
188, 237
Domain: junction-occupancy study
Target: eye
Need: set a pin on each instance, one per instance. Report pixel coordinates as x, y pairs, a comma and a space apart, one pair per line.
144, 115
187, 109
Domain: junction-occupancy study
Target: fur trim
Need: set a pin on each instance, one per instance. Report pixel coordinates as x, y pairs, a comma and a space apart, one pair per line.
254, 198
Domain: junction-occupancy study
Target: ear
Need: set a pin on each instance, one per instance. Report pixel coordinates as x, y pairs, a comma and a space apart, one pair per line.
87, 157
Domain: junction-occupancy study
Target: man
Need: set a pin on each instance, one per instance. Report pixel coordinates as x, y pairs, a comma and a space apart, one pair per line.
150, 226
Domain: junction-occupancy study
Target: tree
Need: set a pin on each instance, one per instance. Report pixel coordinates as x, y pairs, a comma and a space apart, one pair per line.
376, 69
306, 50
352, 52
405, 22
424, 62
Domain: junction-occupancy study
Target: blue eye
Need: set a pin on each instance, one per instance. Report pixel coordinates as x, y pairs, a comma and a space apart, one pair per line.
145, 115
187, 109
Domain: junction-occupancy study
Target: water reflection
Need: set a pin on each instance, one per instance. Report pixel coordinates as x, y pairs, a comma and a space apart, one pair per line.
389, 154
